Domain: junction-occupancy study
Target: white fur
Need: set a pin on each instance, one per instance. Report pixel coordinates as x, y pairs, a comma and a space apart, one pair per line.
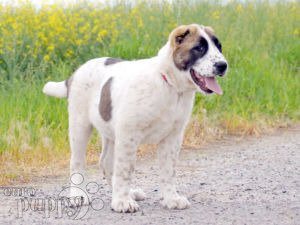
55, 89
145, 109
205, 65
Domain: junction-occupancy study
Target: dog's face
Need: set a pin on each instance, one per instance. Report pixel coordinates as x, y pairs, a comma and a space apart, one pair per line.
197, 52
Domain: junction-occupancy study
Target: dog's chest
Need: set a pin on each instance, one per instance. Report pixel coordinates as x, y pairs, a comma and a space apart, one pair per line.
174, 114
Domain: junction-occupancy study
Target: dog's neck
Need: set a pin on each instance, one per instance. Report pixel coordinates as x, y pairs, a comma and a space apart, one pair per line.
170, 73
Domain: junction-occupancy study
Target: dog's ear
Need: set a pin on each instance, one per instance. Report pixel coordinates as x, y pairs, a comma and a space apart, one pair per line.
179, 38
209, 30
178, 35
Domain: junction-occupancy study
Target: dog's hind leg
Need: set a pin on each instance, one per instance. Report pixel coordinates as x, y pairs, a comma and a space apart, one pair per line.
79, 132
106, 166
106, 158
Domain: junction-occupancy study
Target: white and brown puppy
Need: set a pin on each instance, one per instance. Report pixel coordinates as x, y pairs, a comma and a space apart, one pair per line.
137, 102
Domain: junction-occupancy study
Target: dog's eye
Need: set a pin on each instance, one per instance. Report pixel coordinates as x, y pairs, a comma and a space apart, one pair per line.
199, 48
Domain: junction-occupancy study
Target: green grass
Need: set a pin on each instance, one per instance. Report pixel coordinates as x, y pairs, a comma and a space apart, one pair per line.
260, 40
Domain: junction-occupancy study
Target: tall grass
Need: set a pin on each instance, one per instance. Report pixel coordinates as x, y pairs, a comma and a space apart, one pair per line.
260, 40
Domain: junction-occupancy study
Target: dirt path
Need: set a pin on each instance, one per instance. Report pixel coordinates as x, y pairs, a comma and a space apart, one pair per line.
252, 181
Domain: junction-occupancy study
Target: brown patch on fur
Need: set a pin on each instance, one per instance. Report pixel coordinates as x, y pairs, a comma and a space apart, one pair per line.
68, 84
111, 61
182, 39
105, 105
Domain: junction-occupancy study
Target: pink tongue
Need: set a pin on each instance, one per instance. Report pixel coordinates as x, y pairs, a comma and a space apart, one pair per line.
212, 84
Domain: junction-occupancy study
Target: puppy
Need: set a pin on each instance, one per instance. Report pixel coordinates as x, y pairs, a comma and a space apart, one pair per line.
140, 102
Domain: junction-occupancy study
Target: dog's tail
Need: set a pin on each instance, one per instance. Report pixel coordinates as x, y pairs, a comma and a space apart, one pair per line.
56, 89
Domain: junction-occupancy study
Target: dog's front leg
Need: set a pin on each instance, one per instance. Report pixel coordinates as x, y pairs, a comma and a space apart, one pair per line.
168, 151
124, 163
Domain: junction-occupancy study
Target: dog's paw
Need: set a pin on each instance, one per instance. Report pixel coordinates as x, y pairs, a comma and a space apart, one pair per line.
137, 194
175, 202
124, 205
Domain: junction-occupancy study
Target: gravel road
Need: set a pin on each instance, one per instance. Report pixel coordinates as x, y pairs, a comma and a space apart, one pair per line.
231, 181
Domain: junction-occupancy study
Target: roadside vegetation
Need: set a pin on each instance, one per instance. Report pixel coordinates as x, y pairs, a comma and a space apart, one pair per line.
260, 40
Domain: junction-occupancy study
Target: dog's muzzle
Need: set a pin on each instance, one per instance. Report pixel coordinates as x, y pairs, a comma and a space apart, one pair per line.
220, 68
207, 84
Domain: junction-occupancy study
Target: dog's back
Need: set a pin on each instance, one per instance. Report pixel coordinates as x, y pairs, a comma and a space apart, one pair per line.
83, 78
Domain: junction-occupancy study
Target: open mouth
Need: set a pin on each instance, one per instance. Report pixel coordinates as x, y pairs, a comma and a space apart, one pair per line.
206, 84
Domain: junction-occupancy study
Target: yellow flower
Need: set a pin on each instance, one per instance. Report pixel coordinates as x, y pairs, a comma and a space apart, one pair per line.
78, 42
294, 8
101, 35
216, 15
140, 23
46, 58
50, 48
69, 53
239, 8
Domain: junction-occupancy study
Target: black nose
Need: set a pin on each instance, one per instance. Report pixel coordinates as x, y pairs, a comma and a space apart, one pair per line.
220, 68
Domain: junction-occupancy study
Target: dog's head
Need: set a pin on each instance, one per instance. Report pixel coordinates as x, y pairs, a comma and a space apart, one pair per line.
197, 54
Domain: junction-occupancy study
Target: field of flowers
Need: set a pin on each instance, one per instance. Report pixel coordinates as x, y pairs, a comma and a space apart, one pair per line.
260, 40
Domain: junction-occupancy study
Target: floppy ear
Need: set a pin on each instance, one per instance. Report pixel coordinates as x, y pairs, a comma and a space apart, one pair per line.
178, 35
209, 30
